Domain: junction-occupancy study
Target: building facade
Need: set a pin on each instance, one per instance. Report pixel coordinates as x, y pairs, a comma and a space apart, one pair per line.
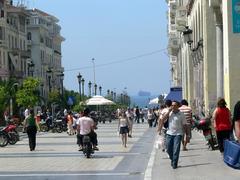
206, 54
30, 45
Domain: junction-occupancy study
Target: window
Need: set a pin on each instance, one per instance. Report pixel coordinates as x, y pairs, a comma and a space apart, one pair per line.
29, 36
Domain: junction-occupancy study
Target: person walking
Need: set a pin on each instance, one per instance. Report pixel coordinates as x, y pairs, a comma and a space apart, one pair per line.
130, 115
236, 120
177, 122
187, 111
31, 129
163, 127
123, 125
150, 116
222, 123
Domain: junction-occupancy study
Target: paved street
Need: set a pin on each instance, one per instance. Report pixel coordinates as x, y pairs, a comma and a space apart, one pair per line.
198, 163
56, 157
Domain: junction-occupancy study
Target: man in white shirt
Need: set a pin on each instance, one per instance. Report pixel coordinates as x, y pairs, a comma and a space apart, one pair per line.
177, 123
86, 126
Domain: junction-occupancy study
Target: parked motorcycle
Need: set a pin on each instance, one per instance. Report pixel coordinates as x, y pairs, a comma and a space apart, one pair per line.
204, 124
10, 131
3, 139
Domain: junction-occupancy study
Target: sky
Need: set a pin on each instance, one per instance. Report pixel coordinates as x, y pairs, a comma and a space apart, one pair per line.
127, 39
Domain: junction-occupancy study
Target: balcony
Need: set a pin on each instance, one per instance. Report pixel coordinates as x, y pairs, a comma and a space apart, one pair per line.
181, 16
3, 43
25, 54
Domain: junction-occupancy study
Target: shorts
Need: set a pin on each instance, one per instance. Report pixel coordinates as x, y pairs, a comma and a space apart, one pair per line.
124, 130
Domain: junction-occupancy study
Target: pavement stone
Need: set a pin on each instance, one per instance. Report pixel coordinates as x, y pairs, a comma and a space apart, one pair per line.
198, 163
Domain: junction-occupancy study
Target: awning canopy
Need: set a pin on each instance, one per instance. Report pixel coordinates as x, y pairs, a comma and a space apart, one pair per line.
154, 101
175, 94
99, 100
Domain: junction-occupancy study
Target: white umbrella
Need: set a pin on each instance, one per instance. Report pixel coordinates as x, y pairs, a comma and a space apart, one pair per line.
99, 100
154, 101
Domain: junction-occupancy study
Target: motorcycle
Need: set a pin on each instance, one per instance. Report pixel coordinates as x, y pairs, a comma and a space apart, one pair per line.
3, 139
10, 131
87, 146
204, 124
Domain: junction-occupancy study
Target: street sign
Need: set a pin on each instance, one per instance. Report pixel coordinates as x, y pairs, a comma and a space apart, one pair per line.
70, 101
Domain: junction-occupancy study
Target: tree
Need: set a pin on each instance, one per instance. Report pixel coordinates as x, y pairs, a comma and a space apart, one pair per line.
28, 94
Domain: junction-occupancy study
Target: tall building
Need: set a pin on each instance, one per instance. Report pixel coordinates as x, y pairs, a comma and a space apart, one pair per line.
30, 45
44, 42
207, 55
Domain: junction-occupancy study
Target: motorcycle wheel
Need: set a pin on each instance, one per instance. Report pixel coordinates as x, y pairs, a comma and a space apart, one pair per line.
13, 139
89, 150
44, 128
59, 128
3, 140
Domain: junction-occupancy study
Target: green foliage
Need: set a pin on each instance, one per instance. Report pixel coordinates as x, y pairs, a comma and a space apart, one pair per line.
28, 95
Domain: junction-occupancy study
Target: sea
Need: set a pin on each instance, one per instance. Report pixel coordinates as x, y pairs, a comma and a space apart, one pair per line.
143, 101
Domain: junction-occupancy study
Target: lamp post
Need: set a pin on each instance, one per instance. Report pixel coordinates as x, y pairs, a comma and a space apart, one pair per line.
49, 71
83, 81
94, 78
95, 89
30, 68
100, 90
89, 88
61, 79
41, 88
112, 95
79, 76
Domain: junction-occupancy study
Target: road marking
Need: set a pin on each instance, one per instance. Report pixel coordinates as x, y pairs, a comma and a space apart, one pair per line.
73, 174
148, 172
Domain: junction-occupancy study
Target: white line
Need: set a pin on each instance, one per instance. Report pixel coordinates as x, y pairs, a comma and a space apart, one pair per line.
74, 174
148, 172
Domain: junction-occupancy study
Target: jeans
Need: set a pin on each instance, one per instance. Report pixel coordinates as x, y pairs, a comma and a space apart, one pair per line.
173, 148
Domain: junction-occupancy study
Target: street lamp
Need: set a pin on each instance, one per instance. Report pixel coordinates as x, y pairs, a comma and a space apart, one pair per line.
30, 68
79, 76
187, 35
83, 81
49, 71
61, 78
95, 89
100, 90
94, 78
89, 88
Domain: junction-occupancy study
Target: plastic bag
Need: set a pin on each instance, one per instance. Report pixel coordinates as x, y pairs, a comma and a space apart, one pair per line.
159, 143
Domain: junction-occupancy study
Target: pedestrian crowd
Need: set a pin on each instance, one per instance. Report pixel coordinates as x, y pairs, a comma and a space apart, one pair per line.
173, 119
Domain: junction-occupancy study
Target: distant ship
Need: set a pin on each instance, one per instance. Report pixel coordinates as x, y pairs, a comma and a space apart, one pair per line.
144, 93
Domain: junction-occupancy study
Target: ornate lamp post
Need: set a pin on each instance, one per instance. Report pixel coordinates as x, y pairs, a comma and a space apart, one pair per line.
89, 88
61, 79
30, 68
112, 95
79, 76
83, 81
100, 90
49, 71
95, 89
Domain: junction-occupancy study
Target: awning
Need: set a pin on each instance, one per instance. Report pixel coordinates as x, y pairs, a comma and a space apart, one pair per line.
175, 94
